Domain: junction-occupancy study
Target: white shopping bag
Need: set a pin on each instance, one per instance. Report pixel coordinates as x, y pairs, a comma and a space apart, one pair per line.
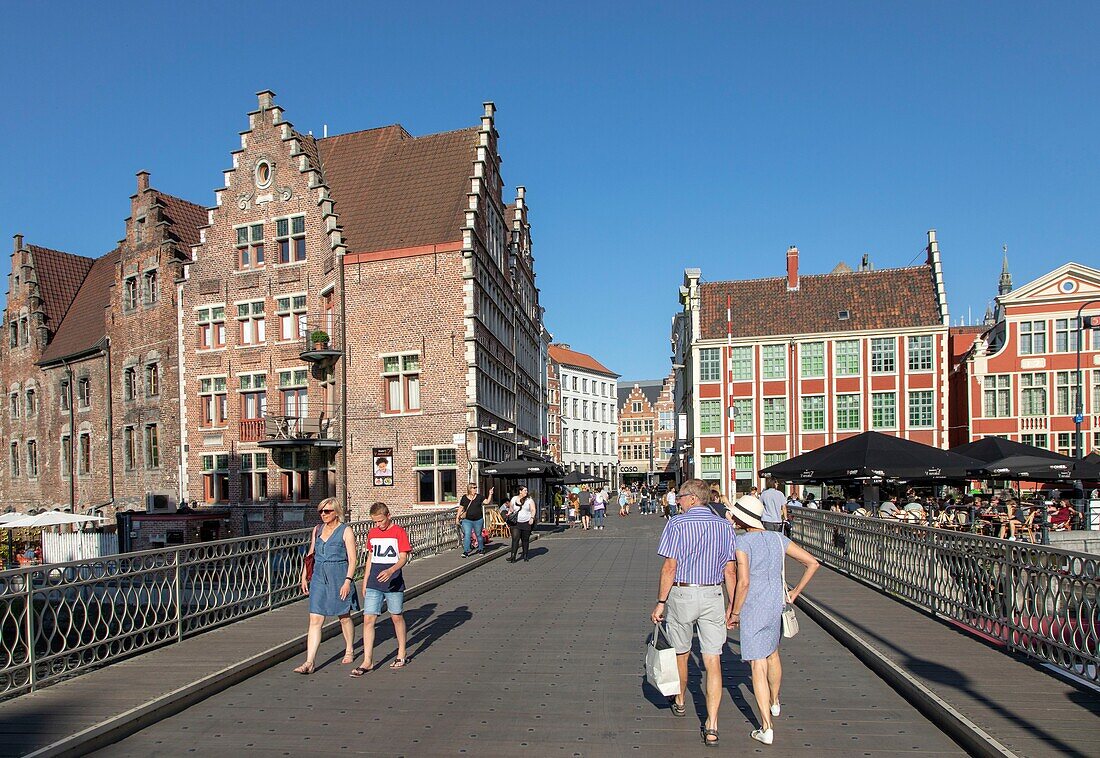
660, 664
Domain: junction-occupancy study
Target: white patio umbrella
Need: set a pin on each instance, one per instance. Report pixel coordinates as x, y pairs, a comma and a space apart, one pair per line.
48, 518
11, 516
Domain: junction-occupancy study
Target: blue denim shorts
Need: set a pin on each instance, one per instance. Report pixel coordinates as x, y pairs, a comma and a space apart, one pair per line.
372, 602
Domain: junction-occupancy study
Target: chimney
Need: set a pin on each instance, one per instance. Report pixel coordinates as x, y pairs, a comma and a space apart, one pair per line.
18, 239
143, 181
792, 269
266, 99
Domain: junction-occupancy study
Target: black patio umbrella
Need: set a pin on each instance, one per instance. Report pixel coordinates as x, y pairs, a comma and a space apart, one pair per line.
873, 455
991, 449
576, 477
1032, 468
521, 469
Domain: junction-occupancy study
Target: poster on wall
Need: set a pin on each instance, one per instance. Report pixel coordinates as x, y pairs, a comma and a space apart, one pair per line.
383, 466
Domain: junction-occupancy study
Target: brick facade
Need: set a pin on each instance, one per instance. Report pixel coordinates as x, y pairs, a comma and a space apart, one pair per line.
647, 431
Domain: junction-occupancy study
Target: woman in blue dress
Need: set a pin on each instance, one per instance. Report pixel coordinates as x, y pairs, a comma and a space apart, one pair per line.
758, 605
332, 589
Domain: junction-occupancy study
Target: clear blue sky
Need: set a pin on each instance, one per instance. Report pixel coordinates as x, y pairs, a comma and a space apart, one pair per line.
651, 137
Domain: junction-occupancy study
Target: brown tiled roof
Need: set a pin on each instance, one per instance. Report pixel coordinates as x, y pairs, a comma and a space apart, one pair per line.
889, 298
568, 357
393, 190
59, 278
85, 324
186, 219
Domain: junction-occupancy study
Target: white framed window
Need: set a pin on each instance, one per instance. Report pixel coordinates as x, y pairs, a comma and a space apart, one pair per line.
743, 416
1033, 337
213, 401
1038, 440
922, 413
847, 357
401, 377
812, 359
775, 414
436, 475
709, 365
129, 448
919, 352
253, 391
813, 413
743, 464
710, 466
251, 323
84, 392
210, 320
1065, 392
1033, 394
293, 388
996, 395
710, 417
250, 246
152, 379
1065, 335
741, 363
884, 413
150, 287
129, 383
291, 311
847, 412
129, 293
883, 355
290, 236
774, 365
253, 477
215, 477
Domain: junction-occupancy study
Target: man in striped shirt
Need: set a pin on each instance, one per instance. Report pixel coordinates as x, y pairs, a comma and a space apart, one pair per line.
699, 549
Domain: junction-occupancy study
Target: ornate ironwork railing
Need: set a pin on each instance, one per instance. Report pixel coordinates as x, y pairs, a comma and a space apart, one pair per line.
59, 620
1035, 599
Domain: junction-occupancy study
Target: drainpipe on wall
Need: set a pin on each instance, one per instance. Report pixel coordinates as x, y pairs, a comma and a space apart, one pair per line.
344, 392
110, 430
72, 440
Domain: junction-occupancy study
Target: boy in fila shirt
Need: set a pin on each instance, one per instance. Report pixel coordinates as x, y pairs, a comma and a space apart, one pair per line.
388, 549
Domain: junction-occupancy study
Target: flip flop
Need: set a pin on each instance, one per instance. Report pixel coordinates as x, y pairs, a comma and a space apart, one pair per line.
399, 663
358, 671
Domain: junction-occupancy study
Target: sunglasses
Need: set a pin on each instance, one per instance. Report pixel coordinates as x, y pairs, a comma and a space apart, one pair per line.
327, 510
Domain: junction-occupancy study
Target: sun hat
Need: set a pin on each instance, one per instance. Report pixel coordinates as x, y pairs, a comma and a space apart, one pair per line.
748, 510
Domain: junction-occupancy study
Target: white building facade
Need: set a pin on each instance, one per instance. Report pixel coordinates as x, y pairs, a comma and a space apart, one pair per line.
589, 416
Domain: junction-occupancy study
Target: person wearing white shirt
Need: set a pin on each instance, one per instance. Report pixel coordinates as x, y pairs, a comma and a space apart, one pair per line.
522, 506
670, 503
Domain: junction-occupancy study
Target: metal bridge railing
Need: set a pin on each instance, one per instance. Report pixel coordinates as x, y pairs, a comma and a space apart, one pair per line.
59, 620
1035, 599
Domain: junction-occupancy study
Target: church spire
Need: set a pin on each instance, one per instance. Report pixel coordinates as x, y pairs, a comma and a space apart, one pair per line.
1005, 285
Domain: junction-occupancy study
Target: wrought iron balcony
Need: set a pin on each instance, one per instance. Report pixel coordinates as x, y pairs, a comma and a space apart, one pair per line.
319, 426
321, 338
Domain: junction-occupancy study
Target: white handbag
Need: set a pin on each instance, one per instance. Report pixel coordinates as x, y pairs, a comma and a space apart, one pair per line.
660, 664
790, 620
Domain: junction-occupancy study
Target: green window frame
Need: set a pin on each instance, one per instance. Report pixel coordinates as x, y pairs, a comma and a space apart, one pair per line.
813, 413
812, 356
710, 369
884, 413
847, 412
710, 417
742, 420
775, 414
774, 362
847, 357
741, 363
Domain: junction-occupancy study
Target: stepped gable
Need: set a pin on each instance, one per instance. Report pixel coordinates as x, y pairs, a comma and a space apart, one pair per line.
888, 298
393, 190
185, 218
650, 389
85, 325
59, 277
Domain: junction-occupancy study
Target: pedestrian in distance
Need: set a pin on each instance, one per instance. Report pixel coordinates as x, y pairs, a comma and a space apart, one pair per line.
522, 506
758, 606
388, 550
599, 509
624, 503
585, 498
471, 517
331, 589
699, 552
775, 506
670, 502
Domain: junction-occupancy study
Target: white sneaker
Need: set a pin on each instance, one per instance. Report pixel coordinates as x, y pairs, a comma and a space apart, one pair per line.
776, 709
763, 735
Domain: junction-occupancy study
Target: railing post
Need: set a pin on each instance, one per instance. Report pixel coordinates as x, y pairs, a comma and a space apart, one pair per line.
270, 565
32, 676
179, 597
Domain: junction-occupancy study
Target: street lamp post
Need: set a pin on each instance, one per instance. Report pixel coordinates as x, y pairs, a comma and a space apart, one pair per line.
1083, 322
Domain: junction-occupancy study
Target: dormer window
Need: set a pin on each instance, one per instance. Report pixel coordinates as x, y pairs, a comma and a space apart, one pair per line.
264, 174
843, 315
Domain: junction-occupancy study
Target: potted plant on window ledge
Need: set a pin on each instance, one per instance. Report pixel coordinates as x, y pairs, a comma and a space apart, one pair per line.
319, 338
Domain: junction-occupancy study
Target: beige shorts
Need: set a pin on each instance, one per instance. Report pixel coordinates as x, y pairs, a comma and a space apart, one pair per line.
691, 608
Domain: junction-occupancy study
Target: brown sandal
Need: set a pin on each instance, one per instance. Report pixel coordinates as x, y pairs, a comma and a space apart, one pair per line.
358, 671
305, 668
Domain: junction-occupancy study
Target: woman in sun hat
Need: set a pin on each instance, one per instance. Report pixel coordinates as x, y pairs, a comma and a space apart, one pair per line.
758, 605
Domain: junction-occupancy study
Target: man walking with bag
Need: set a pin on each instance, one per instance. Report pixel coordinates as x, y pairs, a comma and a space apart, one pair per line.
699, 549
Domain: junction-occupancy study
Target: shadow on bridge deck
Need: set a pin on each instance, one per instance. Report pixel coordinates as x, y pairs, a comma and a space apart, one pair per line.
542, 656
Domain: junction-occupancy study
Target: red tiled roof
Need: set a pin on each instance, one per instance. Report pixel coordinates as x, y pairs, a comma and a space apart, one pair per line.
393, 190
59, 278
568, 357
85, 324
889, 298
186, 219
